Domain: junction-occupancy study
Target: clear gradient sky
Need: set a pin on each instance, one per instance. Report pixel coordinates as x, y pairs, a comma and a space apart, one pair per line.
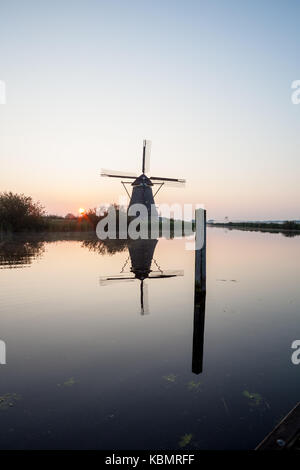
209, 82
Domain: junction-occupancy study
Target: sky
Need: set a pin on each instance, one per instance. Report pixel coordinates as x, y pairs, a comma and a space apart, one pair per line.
208, 82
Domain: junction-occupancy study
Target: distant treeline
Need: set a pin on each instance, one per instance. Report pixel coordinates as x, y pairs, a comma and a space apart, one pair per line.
85, 223
288, 228
288, 225
19, 213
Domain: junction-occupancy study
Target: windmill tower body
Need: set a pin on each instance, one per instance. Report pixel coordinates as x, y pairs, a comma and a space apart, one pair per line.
142, 194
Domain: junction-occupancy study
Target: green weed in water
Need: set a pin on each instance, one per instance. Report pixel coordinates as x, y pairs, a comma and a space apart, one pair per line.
185, 440
8, 400
170, 378
68, 383
256, 398
194, 386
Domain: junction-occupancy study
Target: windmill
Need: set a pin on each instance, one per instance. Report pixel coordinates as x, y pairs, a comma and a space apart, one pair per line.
142, 185
141, 253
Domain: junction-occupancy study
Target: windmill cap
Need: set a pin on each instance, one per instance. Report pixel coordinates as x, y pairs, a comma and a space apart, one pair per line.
142, 180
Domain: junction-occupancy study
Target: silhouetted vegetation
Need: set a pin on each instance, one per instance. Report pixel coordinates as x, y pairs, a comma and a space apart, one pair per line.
84, 223
288, 228
20, 213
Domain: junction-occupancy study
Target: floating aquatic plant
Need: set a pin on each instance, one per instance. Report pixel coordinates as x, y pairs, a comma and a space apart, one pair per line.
170, 378
68, 383
185, 440
256, 398
8, 400
194, 386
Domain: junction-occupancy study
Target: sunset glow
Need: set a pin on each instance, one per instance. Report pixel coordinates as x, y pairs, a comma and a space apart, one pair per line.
223, 144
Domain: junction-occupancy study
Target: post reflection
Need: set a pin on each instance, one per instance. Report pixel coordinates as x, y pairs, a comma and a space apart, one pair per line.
198, 333
199, 300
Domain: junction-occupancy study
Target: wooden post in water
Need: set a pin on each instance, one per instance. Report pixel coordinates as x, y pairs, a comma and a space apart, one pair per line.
200, 251
199, 291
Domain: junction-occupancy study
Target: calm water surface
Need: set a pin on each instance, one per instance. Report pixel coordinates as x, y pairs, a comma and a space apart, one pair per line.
89, 367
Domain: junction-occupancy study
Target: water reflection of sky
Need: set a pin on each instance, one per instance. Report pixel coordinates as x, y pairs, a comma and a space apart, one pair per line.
91, 372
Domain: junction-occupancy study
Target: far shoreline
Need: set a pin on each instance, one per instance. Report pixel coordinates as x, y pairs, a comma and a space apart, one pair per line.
253, 227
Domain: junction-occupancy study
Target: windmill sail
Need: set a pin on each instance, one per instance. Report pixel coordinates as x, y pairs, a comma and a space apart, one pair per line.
166, 273
106, 280
161, 179
146, 156
118, 174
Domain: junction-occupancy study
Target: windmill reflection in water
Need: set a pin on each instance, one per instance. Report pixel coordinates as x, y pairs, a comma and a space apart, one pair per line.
141, 254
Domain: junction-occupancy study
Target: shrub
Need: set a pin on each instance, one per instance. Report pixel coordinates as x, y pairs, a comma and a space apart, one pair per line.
19, 213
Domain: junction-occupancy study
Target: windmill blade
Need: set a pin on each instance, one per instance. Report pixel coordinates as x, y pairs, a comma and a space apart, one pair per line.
118, 174
166, 273
163, 276
170, 182
106, 280
161, 179
146, 156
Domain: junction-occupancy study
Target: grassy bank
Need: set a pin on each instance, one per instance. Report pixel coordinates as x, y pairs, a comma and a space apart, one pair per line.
88, 224
68, 225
